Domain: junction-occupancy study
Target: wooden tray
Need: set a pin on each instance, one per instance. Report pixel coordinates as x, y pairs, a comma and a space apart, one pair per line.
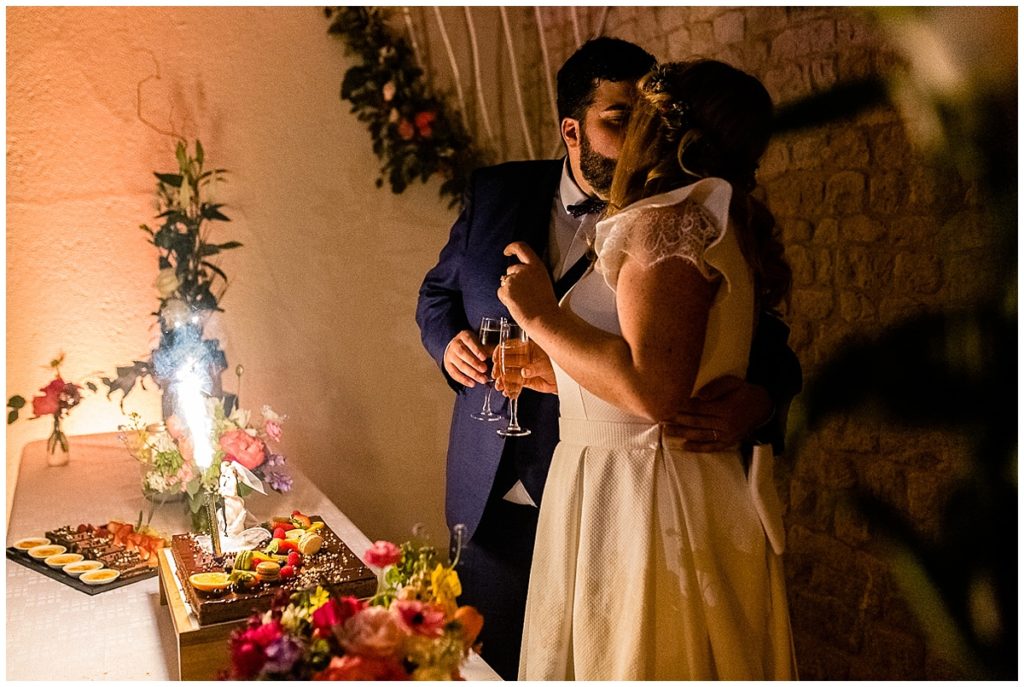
61, 576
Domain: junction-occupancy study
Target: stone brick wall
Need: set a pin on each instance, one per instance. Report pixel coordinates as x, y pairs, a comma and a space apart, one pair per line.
872, 234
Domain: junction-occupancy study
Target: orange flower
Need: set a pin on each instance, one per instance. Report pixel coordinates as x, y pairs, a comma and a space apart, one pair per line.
424, 123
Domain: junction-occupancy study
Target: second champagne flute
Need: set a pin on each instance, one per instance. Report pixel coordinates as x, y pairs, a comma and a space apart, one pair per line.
490, 332
513, 354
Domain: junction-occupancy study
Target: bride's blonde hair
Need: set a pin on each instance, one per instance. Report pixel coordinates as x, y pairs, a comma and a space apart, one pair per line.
699, 119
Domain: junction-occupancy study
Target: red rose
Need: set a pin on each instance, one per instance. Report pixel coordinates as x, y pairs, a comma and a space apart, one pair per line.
49, 402
405, 130
424, 122
248, 451
248, 648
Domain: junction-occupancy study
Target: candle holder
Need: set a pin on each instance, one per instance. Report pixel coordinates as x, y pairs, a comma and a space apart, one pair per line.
211, 516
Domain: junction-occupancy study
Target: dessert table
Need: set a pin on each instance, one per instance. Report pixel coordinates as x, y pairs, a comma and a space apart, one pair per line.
55, 632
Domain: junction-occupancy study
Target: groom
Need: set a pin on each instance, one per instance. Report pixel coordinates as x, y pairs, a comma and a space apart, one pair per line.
494, 485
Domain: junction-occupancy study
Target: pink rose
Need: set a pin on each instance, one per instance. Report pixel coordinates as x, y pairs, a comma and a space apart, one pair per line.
423, 619
424, 123
362, 668
245, 450
382, 554
405, 130
374, 632
248, 648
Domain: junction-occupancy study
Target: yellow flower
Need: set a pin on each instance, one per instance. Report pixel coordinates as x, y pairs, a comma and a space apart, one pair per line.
446, 586
318, 598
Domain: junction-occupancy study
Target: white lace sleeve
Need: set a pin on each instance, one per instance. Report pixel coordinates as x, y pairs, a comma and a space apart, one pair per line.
651, 234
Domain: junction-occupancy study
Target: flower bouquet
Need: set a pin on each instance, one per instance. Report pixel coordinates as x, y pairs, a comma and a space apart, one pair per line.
243, 460
411, 629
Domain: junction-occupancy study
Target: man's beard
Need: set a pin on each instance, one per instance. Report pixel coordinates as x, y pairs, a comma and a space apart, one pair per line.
597, 169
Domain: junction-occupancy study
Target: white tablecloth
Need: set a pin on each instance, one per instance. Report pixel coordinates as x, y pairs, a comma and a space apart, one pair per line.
56, 632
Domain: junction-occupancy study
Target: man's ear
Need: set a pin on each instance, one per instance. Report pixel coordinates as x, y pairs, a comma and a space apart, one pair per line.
571, 132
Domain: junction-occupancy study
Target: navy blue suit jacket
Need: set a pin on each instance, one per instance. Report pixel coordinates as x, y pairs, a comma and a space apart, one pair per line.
506, 203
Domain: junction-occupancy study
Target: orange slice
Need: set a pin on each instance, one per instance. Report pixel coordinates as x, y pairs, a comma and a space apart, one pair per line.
210, 581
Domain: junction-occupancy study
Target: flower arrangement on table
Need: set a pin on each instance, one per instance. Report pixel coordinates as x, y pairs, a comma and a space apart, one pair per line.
243, 460
59, 397
411, 629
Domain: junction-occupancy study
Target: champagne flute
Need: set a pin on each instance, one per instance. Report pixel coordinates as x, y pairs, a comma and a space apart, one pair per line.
490, 331
513, 354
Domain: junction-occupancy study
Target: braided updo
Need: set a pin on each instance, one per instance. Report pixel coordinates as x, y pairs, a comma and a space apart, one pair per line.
698, 119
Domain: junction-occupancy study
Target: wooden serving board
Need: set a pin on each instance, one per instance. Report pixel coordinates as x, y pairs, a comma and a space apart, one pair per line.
61, 576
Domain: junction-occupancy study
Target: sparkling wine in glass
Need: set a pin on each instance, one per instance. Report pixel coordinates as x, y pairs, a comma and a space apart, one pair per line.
490, 332
513, 354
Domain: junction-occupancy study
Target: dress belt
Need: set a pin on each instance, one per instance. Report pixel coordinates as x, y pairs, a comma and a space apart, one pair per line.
609, 434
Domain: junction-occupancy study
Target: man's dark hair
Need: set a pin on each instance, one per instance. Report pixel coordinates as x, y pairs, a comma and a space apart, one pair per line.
603, 58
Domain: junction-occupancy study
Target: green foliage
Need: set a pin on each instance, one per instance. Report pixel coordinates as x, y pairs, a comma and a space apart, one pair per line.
190, 283
414, 133
15, 403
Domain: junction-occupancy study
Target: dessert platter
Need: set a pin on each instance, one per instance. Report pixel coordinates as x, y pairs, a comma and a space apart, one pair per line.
292, 552
90, 558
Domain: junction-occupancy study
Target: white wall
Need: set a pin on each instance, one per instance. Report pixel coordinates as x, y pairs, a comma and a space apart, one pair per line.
320, 309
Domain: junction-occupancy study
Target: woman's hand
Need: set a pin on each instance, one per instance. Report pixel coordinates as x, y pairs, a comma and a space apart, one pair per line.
526, 287
538, 374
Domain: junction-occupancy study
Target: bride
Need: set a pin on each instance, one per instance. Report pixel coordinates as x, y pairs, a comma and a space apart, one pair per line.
650, 562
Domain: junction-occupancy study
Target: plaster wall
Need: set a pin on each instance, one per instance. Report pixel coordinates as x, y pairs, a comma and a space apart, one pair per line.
322, 296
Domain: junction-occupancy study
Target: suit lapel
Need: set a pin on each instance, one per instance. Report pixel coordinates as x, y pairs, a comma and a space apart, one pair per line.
534, 217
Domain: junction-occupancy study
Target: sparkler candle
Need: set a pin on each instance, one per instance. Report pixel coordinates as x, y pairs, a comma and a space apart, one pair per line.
192, 404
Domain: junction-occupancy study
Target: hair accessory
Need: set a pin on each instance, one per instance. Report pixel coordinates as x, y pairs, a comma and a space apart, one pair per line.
676, 115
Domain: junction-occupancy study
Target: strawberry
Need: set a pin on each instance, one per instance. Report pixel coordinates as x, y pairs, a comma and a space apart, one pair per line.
279, 533
286, 545
287, 571
294, 558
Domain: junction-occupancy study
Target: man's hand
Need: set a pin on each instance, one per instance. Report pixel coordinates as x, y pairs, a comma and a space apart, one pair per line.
723, 413
464, 360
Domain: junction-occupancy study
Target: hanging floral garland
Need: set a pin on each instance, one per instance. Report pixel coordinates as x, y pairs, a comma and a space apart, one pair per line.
414, 133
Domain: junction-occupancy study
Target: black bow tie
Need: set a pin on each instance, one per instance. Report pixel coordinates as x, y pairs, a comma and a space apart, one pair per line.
588, 206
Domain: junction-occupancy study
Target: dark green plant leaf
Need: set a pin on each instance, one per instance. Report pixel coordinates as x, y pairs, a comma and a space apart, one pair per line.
16, 402
12, 416
169, 179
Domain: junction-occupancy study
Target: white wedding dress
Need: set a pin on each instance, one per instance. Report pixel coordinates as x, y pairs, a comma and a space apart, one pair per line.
652, 563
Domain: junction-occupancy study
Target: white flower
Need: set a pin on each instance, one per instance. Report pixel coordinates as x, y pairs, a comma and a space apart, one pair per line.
175, 313
388, 91
167, 282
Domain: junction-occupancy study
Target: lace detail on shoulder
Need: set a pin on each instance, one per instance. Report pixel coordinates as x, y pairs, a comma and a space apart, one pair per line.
652, 234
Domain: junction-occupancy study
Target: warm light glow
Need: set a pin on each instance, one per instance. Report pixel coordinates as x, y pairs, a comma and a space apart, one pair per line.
192, 406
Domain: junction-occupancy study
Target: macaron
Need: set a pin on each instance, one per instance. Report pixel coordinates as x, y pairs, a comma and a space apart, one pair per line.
310, 543
268, 571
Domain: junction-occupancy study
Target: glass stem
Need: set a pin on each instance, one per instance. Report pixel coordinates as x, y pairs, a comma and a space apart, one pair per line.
487, 399
513, 422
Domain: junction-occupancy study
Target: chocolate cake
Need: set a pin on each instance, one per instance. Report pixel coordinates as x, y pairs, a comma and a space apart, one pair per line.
333, 567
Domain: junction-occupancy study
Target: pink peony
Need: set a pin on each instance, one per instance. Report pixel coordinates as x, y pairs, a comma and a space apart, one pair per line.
334, 613
424, 123
246, 450
421, 618
362, 668
374, 633
382, 554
